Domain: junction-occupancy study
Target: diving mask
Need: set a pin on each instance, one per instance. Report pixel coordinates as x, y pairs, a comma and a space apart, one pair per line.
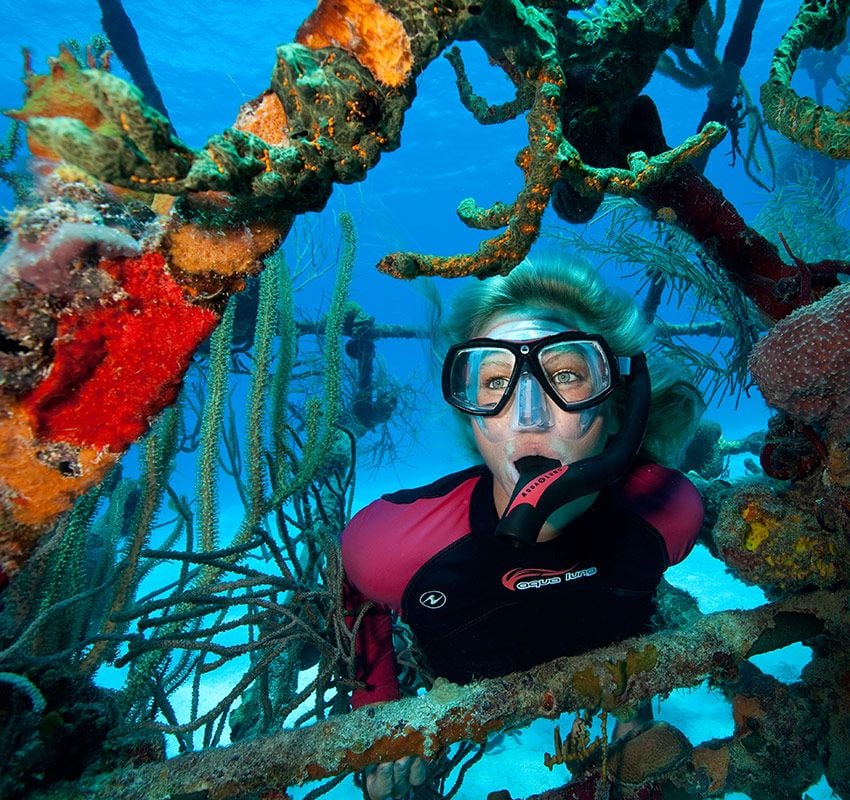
573, 370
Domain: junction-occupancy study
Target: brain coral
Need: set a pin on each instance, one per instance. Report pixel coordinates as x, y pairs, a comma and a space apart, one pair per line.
801, 366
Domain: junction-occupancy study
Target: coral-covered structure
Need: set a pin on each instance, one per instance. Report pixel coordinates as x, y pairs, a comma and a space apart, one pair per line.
99, 316
336, 102
83, 380
610, 679
780, 547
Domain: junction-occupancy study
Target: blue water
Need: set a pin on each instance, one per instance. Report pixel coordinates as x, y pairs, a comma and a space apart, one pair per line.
208, 58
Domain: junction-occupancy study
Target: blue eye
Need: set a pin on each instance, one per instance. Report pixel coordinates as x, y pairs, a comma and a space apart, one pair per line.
565, 376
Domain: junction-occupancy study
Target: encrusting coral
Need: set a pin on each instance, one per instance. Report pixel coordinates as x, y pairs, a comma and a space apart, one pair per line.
118, 358
368, 31
800, 119
778, 546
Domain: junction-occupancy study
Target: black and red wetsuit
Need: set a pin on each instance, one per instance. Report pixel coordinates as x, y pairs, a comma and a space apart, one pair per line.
481, 607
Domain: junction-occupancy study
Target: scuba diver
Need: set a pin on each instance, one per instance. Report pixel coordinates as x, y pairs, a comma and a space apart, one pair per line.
556, 543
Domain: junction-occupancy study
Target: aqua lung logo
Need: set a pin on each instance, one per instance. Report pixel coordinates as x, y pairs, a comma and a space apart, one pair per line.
533, 490
518, 580
432, 599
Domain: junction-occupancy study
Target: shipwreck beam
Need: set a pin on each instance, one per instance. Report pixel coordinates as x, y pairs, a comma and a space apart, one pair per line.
607, 679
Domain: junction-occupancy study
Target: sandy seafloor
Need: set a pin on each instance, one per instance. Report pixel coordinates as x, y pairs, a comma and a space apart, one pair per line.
208, 58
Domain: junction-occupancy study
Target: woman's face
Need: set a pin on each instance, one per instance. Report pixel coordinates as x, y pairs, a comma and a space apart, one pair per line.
539, 427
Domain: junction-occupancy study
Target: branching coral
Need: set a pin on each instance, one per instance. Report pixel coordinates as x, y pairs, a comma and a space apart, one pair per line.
550, 159
121, 140
540, 162
729, 101
275, 578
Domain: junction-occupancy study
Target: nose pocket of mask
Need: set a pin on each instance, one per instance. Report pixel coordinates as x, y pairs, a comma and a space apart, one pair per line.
531, 409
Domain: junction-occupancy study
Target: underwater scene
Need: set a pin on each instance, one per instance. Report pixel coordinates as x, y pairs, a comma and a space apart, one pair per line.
544, 304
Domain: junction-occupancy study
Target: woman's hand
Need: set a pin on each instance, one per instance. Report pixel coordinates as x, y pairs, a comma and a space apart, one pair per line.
396, 778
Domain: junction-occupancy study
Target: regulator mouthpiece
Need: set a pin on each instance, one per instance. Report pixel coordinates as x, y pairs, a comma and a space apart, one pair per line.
545, 485
522, 521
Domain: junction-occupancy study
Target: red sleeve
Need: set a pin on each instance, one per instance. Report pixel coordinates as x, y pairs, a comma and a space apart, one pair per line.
376, 664
383, 546
669, 502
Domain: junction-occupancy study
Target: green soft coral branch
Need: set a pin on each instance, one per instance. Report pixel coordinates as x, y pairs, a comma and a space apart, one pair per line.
159, 450
322, 414
486, 219
66, 571
288, 341
264, 334
483, 112
212, 417
820, 24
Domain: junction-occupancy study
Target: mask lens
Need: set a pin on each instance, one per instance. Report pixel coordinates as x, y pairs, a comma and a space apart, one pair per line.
577, 371
480, 376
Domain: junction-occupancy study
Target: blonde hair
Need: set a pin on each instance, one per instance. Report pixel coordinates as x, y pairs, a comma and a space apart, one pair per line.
574, 294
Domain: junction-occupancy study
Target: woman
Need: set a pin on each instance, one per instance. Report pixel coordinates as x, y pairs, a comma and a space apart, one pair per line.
573, 516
